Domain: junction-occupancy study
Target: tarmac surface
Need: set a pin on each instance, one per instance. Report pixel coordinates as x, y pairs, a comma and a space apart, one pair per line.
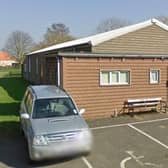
123, 142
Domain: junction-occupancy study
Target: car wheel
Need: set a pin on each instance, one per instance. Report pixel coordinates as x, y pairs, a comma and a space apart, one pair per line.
31, 160
21, 130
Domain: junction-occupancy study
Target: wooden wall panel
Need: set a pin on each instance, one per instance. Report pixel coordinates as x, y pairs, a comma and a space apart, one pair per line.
81, 78
149, 40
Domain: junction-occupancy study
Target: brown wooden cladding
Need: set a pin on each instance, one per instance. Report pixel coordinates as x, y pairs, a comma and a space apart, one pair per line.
81, 78
149, 40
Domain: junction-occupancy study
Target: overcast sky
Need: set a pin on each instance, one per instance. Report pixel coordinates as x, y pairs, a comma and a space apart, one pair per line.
81, 16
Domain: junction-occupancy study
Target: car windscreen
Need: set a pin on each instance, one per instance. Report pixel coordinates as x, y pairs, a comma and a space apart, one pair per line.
55, 107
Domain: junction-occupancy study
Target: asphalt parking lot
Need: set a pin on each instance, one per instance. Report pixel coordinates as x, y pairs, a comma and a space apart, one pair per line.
123, 142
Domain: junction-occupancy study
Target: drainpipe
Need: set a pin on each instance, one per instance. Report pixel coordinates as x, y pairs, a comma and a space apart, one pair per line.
58, 75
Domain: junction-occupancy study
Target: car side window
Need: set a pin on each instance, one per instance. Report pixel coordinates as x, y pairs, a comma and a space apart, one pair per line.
29, 102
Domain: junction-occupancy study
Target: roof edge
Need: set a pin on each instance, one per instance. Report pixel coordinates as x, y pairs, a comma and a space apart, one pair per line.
104, 55
128, 29
102, 37
160, 24
119, 32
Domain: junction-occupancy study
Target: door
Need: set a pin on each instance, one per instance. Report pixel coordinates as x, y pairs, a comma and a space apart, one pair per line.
28, 107
51, 71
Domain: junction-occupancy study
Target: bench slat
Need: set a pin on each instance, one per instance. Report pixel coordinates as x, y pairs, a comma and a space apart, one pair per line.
143, 104
130, 104
143, 100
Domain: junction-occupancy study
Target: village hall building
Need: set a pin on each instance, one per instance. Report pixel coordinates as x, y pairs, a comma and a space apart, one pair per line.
103, 71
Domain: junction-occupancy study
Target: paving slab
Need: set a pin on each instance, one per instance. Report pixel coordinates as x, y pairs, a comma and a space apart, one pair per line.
158, 130
123, 142
123, 147
13, 153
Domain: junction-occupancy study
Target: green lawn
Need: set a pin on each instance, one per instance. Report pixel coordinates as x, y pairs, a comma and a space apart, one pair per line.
12, 88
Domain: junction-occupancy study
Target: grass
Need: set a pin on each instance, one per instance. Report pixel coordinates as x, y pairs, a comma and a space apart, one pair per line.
12, 88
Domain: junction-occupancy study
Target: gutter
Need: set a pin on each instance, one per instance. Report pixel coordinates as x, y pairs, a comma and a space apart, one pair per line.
101, 55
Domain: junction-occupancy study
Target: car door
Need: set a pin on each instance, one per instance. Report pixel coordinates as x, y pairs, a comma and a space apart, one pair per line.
23, 109
28, 109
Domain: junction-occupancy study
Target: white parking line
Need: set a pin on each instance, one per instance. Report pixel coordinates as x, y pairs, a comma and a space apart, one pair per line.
87, 162
123, 162
149, 136
125, 124
108, 126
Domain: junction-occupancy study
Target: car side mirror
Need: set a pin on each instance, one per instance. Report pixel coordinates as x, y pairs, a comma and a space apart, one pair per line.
25, 116
81, 111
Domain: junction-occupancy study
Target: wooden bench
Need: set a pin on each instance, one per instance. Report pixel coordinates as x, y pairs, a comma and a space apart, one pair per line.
143, 104
164, 107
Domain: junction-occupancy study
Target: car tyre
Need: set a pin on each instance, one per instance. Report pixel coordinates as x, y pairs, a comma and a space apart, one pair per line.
30, 161
21, 130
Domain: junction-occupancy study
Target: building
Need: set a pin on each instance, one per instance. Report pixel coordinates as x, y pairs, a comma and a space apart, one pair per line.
7, 60
102, 71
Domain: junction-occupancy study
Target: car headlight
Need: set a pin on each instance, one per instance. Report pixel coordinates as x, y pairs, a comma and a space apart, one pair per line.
85, 134
85, 138
40, 140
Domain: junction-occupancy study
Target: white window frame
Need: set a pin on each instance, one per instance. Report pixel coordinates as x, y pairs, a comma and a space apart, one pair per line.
101, 77
158, 76
110, 77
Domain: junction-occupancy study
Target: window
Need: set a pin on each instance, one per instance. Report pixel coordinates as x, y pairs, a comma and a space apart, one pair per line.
29, 102
41, 71
29, 64
105, 78
37, 67
54, 107
154, 76
115, 77
25, 67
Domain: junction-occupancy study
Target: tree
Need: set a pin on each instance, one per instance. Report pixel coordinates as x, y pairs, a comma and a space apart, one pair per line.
111, 23
39, 46
18, 44
57, 33
163, 19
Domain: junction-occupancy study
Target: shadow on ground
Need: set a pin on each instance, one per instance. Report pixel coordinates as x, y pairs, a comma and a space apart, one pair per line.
9, 109
14, 86
14, 152
13, 146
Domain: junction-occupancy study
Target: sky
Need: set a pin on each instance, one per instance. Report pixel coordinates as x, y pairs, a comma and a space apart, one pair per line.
81, 16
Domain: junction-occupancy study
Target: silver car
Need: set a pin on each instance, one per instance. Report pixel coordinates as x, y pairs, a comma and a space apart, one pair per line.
52, 124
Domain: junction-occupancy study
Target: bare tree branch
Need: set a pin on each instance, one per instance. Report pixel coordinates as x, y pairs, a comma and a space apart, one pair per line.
111, 23
18, 44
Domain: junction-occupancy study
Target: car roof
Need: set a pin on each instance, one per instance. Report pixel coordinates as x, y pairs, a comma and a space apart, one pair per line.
48, 91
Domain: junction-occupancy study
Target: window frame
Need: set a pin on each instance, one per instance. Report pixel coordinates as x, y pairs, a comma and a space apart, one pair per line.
29, 61
37, 65
25, 67
111, 83
158, 76
29, 101
70, 106
101, 83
